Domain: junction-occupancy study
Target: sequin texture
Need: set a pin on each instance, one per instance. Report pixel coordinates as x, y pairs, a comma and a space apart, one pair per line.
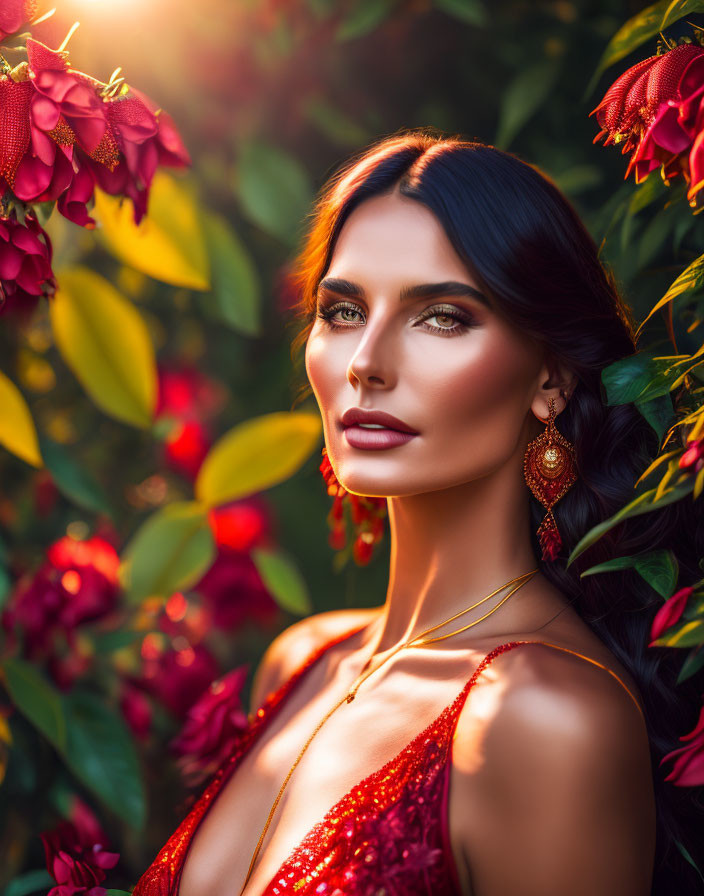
388, 836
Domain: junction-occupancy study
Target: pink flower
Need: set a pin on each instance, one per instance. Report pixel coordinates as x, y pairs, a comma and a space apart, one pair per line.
75, 854
688, 770
25, 265
13, 14
213, 726
669, 613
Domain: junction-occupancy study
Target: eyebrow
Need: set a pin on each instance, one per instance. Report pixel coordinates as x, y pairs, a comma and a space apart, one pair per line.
420, 291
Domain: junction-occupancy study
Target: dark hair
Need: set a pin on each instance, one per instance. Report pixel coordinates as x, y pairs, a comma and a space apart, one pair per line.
530, 253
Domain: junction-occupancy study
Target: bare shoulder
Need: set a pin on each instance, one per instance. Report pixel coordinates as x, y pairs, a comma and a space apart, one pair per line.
552, 761
292, 647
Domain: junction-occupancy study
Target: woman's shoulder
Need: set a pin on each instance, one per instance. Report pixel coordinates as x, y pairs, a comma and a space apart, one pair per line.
545, 727
294, 645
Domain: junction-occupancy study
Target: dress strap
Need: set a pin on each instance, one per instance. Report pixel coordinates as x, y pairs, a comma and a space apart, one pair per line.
595, 663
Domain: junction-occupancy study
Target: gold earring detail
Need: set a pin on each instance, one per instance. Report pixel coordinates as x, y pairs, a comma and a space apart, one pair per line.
550, 470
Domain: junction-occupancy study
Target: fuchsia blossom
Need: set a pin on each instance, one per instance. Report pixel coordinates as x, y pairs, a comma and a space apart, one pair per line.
25, 264
656, 110
670, 612
75, 854
688, 770
213, 726
61, 133
13, 14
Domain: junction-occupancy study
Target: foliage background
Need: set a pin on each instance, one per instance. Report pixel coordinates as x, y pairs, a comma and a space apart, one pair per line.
270, 97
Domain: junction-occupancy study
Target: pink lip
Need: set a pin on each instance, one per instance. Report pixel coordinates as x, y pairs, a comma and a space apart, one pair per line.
358, 437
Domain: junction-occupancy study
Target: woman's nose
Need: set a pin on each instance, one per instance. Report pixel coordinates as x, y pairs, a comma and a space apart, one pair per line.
373, 361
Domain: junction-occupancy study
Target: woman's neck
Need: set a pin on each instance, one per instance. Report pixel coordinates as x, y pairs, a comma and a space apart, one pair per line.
452, 547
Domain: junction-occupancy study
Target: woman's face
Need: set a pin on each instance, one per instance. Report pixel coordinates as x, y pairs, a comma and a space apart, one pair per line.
442, 363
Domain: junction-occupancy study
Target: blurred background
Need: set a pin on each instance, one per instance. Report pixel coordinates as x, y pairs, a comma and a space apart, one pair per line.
270, 97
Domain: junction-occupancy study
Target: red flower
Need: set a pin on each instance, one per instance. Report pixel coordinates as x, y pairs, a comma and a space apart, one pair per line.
146, 137
25, 265
669, 613
13, 14
75, 854
177, 677
136, 709
655, 108
213, 726
693, 457
192, 398
688, 770
77, 583
233, 590
240, 525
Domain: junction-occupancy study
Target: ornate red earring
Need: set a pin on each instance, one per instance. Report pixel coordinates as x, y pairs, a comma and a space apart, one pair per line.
550, 469
367, 517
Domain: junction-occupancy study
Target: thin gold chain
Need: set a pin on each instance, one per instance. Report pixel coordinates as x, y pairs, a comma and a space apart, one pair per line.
349, 697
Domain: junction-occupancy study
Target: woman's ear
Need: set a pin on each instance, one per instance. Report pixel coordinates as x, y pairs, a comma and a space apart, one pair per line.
556, 381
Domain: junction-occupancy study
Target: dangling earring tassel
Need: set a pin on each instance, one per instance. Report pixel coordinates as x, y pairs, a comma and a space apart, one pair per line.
367, 517
550, 470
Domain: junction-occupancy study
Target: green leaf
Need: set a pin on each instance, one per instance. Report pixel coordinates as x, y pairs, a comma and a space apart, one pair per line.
73, 480
333, 123
692, 664
105, 341
30, 882
235, 296
118, 892
524, 96
107, 642
637, 30
638, 378
470, 11
169, 552
256, 455
283, 580
659, 413
648, 191
658, 568
36, 699
102, 755
690, 280
365, 16
273, 189
688, 634
644, 503
683, 849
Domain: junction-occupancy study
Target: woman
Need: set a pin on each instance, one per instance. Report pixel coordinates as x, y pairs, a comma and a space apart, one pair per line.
451, 285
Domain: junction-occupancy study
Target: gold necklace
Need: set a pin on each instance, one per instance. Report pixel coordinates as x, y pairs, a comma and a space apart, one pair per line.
349, 697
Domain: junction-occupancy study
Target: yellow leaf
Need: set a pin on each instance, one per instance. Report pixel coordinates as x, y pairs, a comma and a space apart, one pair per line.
256, 455
104, 340
168, 243
17, 431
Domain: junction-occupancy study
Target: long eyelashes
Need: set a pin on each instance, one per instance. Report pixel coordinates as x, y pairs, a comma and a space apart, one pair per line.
464, 321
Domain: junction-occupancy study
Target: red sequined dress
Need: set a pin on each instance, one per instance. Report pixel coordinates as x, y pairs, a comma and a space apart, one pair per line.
388, 836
